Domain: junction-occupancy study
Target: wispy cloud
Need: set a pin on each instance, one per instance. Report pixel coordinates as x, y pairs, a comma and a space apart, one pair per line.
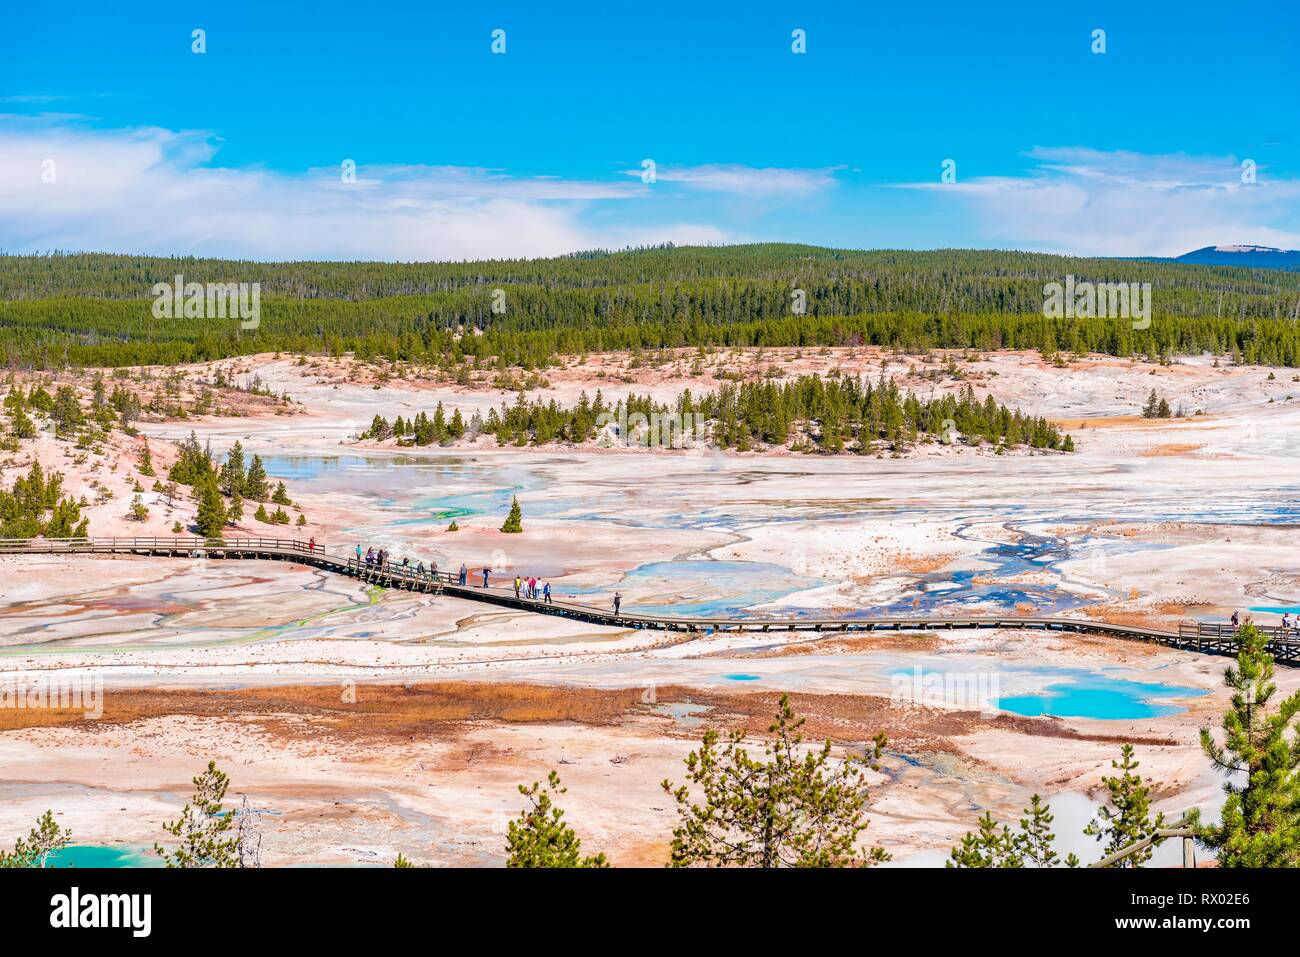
155, 190
754, 182
31, 99
1121, 203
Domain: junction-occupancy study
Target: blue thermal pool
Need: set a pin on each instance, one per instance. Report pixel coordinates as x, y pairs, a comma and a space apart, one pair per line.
1098, 696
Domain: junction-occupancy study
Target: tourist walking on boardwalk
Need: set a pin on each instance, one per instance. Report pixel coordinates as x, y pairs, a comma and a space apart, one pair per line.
464, 573
419, 568
546, 592
358, 553
1236, 620
518, 584
311, 545
485, 577
618, 600
532, 588
370, 555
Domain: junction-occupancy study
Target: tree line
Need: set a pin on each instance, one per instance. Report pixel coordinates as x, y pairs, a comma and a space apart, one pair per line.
833, 414
94, 310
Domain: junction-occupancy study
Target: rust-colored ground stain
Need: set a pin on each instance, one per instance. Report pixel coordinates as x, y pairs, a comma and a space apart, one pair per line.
387, 713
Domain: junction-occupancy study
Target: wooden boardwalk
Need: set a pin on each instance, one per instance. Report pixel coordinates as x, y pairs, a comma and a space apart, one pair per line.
1203, 637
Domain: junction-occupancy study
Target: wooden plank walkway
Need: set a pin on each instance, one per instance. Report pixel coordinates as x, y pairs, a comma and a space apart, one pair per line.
1203, 637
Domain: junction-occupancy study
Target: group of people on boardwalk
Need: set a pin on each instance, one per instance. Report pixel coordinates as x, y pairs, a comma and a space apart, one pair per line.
1289, 623
381, 560
525, 588
529, 588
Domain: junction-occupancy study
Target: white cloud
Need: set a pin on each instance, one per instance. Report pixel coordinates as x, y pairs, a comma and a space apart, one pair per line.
1093, 202
150, 190
754, 182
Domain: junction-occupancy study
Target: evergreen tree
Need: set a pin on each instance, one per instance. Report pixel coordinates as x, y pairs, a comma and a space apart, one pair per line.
232, 478
203, 826
21, 425
211, 517
37, 506
1030, 845
989, 847
44, 839
256, 487
1036, 838
796, 809
193, 465
146, 461
1127, 818
66, 412
515, 520
235, 511
281, 496
539, 837
1260, 822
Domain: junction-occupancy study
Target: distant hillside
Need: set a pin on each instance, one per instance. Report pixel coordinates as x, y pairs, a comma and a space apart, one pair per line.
95, 309
1244, 257
837, 281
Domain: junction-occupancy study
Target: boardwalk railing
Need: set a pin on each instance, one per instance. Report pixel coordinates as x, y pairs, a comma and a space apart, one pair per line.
1205, 637
1214, 637
1179, 829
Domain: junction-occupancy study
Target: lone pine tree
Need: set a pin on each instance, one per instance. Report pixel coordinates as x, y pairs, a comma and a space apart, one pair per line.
1127, 818
515, 520
539, 837
203, 828
798, 808
212, 510
1260, 822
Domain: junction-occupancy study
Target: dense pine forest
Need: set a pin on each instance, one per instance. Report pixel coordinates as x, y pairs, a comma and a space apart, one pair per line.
95, 309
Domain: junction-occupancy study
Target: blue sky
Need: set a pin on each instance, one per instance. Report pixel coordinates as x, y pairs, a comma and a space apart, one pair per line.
115, 135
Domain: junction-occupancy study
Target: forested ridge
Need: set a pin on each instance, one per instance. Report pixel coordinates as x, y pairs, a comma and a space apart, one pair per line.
95, 309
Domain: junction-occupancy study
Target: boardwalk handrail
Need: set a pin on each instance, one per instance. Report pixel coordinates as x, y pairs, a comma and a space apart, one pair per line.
1181, 829
1204, 637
